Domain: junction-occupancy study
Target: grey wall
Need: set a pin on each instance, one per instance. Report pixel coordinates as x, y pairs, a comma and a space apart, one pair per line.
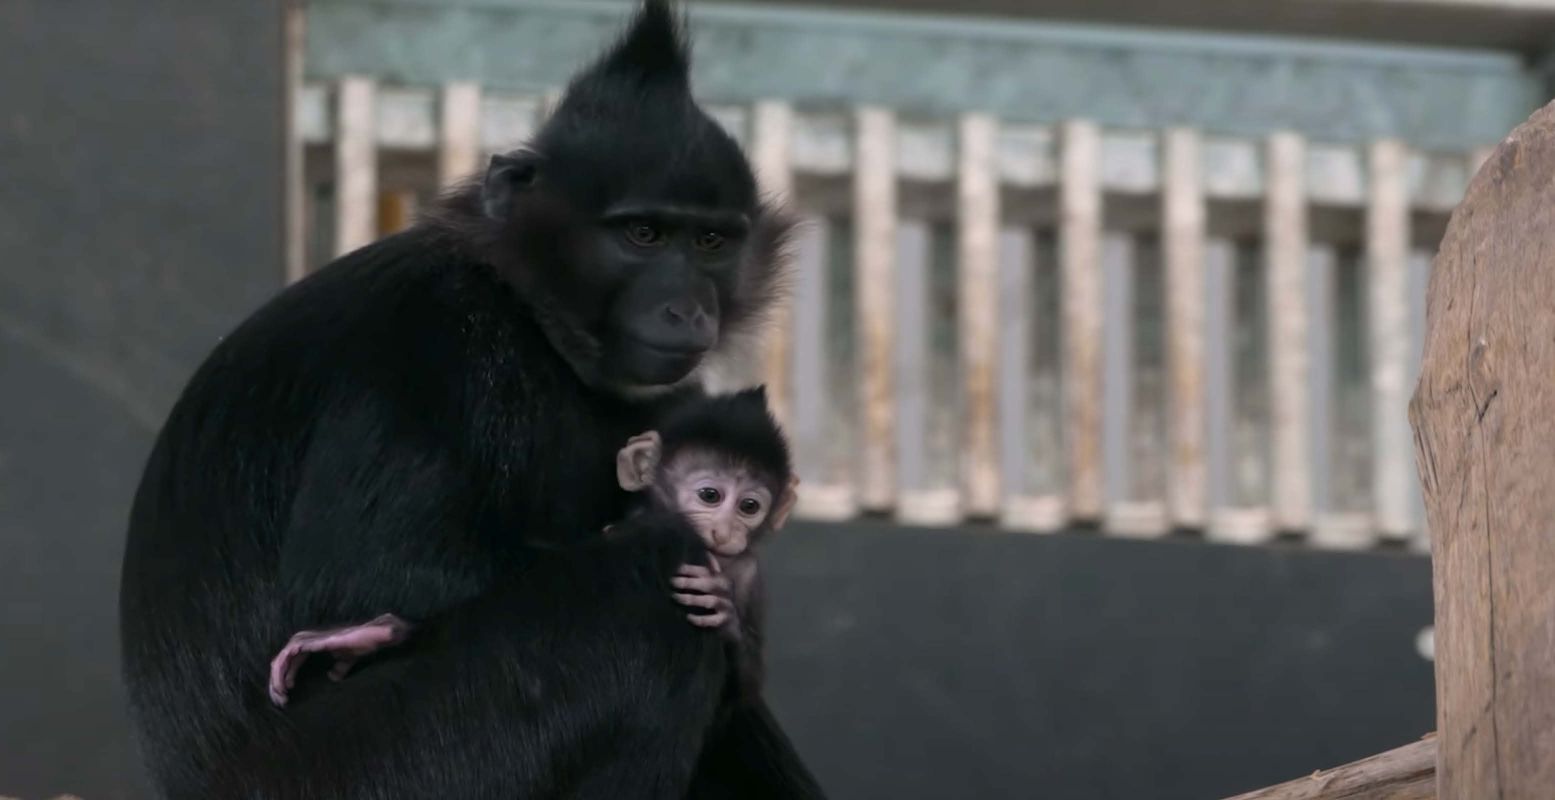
140, 219
913, 664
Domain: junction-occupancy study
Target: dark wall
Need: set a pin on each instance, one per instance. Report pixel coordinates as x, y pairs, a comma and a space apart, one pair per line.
140, 219
932, 664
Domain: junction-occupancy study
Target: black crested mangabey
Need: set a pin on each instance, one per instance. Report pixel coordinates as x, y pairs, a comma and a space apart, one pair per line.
721, 466
428, 425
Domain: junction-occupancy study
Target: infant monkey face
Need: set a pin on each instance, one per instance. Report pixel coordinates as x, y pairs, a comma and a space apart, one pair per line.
727, 504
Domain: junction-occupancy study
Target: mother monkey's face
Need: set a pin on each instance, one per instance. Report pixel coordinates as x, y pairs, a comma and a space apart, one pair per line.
632, 223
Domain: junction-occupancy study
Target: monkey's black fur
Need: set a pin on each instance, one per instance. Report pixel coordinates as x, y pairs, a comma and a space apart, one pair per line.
428, 425
737, 424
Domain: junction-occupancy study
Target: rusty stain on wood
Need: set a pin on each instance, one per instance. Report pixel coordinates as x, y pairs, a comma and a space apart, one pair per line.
1484, 419
1080, 247
874, 255
1406, 773
977, 241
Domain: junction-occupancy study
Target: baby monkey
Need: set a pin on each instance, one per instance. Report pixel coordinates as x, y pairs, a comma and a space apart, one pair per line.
724, 465
719, 462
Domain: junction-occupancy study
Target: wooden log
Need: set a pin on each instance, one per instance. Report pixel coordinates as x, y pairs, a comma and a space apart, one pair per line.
1406, 773
1387, 289
772, 127
458, 132
874, 259
1080, 243
977, 262
1183, 235
1285, 229
356, 164
1484, 422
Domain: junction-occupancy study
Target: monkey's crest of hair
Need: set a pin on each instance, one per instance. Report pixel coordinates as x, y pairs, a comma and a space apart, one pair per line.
739, 424
653, 48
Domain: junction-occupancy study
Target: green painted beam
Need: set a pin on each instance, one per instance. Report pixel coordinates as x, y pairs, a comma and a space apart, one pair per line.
1434, 98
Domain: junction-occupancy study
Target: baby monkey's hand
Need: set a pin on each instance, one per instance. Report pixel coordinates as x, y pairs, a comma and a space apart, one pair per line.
709, 594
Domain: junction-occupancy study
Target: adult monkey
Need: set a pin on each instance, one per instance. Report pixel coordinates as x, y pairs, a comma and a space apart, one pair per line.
429, 425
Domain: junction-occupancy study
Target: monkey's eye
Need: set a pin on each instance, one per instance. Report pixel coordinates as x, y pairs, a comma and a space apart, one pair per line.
643, 234
749, 506
710, 241
709, 495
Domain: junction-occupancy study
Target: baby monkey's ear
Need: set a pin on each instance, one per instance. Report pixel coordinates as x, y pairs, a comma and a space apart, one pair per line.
784, 505
637, 461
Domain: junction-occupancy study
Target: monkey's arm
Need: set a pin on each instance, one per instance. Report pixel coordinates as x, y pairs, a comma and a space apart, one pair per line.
750, 637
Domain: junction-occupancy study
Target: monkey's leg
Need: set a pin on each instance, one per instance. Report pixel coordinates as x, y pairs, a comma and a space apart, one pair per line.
347, 644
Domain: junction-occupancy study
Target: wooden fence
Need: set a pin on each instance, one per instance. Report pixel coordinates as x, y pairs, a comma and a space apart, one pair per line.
1036, 325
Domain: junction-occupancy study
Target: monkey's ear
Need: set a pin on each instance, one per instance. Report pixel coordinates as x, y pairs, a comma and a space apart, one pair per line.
785, 505
507, 176
637, 461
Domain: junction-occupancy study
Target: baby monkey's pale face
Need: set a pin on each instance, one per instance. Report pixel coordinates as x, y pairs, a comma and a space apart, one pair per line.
730, 503
725, 501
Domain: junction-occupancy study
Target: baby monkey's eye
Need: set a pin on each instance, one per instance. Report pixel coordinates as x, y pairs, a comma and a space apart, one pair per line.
710, 241
709, 495
749, 506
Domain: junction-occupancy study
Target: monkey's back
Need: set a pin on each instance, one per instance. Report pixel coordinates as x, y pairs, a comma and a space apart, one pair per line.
456, 374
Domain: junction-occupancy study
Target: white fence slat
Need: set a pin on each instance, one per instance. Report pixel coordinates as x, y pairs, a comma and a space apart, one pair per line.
356, 164
1285, 238
1080, 245
977, 243
874, 257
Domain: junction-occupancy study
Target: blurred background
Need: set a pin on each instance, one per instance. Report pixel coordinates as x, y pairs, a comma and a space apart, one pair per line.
1107, 315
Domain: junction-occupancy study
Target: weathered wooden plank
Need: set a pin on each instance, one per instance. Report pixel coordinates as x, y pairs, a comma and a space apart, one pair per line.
1419, 278
296, 182
874, 256
458, 132
356, 164
1285, 237
772, 126
1183, 219
977, 261
1080, 242
1387, 285
1406, 773
1484, 418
